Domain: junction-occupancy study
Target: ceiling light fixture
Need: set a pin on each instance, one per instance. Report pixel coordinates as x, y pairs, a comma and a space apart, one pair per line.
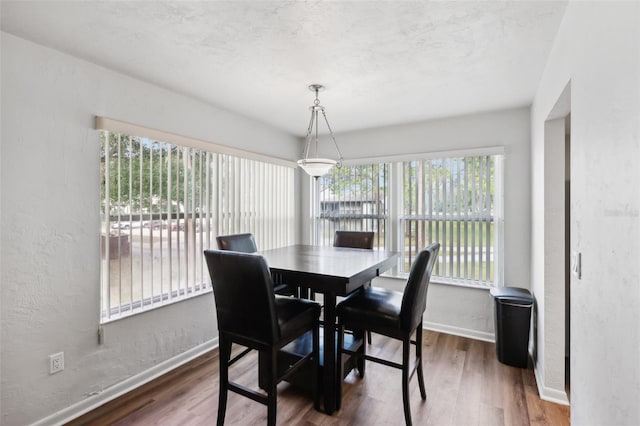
316, 166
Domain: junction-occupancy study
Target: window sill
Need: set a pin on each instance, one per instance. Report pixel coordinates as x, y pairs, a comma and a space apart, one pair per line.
128, 313
441, 281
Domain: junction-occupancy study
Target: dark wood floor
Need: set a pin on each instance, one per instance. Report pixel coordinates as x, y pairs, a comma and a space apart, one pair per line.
465, 385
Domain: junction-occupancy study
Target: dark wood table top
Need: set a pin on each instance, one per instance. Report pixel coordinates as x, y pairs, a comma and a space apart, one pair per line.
323, 268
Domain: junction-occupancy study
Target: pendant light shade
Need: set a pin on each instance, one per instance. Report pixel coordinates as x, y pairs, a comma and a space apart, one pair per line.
316, 166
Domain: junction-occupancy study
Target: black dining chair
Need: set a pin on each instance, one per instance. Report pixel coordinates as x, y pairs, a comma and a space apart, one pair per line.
246, 243
250, 315
393, 314
355, 239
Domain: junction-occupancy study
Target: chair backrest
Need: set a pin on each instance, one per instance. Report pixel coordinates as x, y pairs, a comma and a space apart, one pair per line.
238, 242
414, 299
243, 292
353, 239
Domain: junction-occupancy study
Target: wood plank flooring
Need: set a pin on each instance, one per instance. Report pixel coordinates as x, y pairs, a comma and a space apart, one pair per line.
465, 384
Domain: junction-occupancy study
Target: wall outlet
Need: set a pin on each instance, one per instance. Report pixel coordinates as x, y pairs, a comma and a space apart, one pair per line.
56, 363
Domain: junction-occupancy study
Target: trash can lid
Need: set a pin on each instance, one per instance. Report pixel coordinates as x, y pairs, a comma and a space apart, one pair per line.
512, 294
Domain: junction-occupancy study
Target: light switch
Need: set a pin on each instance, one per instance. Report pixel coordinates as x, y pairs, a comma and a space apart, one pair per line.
576, 264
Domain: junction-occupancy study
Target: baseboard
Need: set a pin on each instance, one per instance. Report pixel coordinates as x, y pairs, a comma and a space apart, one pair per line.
458, 331
76, 410
548, 394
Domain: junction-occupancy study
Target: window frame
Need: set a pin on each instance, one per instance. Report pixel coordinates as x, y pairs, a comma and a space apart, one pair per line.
231, 176
393, 240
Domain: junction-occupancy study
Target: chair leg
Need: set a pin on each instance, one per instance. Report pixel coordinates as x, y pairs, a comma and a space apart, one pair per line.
368, 332
316, 367
224, 352
340, 367
406, 348
362, 350
263, 370
423, 393
272, 387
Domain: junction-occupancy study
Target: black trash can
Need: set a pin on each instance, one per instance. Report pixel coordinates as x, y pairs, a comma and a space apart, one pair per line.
512, 323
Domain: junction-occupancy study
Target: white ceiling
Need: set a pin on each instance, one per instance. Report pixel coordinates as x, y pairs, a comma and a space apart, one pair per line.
382, 62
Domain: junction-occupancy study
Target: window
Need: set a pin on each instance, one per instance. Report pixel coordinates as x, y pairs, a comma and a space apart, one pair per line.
452, 201
456, 201
164, 203
353, 198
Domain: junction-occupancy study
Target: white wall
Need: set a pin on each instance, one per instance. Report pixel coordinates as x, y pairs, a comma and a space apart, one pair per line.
458, 310
50, 201
597, 51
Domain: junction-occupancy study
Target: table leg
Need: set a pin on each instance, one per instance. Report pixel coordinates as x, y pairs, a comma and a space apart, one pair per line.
329, 379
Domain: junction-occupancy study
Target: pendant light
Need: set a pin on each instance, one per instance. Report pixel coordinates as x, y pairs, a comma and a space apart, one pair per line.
314, 165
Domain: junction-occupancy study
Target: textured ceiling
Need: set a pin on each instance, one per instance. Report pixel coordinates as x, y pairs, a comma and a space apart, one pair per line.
382, 62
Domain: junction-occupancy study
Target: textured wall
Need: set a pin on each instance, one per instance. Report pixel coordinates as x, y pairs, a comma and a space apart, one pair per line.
50, 223
467, 311
597, 50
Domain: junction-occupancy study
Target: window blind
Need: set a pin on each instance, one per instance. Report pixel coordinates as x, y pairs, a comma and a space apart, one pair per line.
456, 201
164, 203
452, 201
353, 198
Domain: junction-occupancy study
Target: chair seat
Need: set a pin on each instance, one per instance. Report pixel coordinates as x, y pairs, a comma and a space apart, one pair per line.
373, 308
295, 315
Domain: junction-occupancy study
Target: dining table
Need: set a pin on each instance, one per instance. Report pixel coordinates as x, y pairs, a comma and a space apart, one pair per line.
332, 272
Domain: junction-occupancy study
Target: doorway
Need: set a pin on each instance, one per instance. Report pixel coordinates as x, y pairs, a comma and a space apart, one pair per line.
558, 250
